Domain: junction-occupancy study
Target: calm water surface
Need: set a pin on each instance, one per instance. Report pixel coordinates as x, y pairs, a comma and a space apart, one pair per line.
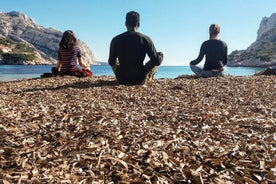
15, 72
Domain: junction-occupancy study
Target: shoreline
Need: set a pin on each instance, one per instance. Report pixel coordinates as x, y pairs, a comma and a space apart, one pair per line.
72, 129
10, 73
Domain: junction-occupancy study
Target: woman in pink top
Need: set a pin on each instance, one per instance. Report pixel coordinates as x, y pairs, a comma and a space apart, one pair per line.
69, 55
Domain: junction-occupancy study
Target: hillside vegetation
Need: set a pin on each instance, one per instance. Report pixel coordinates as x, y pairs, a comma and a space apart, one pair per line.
18, 51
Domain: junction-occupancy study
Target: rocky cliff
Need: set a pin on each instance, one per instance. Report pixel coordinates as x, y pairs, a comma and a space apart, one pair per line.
38, 45
262, 52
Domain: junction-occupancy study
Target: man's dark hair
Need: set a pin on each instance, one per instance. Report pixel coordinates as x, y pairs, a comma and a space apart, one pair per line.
132, 18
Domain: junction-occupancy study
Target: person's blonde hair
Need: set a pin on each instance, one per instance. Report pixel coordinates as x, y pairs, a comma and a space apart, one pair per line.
214, 29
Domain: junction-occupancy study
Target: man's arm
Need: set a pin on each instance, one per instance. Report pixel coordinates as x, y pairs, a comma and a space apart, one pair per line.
156, 58
112, 54
150, 65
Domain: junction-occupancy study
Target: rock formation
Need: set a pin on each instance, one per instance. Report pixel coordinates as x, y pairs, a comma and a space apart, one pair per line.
41, 43
262, 53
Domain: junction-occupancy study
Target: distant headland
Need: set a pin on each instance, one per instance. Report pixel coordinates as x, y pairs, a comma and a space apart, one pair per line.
261, 53
22, 41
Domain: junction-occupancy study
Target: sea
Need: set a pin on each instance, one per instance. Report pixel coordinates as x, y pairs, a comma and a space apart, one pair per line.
17, 72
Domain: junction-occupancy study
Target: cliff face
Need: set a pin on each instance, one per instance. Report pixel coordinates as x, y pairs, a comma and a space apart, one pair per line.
262, 52
16, 28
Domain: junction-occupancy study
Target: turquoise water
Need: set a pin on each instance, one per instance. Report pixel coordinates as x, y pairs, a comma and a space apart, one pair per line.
15, 72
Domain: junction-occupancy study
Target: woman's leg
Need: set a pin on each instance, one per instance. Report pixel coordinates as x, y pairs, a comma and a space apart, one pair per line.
206, 73
55, 71
198, 71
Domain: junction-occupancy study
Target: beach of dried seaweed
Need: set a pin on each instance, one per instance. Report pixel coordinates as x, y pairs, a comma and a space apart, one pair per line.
93, 130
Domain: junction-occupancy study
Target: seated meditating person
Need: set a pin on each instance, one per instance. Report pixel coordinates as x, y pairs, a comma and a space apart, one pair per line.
215, 52
69, 56
128, 51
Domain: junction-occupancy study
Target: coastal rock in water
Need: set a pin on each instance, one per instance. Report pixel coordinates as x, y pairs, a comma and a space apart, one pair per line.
268, 71
40, 45
262, 52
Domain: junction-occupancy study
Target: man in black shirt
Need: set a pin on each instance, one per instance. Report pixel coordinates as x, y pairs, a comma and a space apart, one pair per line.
128, 51
215, 52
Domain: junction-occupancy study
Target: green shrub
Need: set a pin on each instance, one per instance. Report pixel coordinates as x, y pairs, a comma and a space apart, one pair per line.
25, 57
6, 42
21, 47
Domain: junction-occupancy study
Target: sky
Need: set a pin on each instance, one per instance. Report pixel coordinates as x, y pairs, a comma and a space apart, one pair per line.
177, 27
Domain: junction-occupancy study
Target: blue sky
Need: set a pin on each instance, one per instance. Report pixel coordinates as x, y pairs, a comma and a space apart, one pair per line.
177, 27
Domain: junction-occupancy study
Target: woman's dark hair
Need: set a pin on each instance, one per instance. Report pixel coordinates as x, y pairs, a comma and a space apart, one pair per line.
68, 40
132, 18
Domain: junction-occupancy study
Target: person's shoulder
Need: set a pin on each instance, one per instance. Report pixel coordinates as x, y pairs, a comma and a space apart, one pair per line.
216, 41
76, 47
122, 34
144, 36
206, 42
119, 36
132, 33
222, 43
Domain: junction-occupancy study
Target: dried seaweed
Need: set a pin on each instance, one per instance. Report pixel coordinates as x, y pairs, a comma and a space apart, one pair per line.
93, 130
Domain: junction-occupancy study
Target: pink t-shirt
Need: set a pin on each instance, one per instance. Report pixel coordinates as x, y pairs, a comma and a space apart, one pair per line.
68, 57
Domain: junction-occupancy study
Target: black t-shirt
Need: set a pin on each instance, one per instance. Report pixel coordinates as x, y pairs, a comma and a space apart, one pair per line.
131, 49
215, 52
